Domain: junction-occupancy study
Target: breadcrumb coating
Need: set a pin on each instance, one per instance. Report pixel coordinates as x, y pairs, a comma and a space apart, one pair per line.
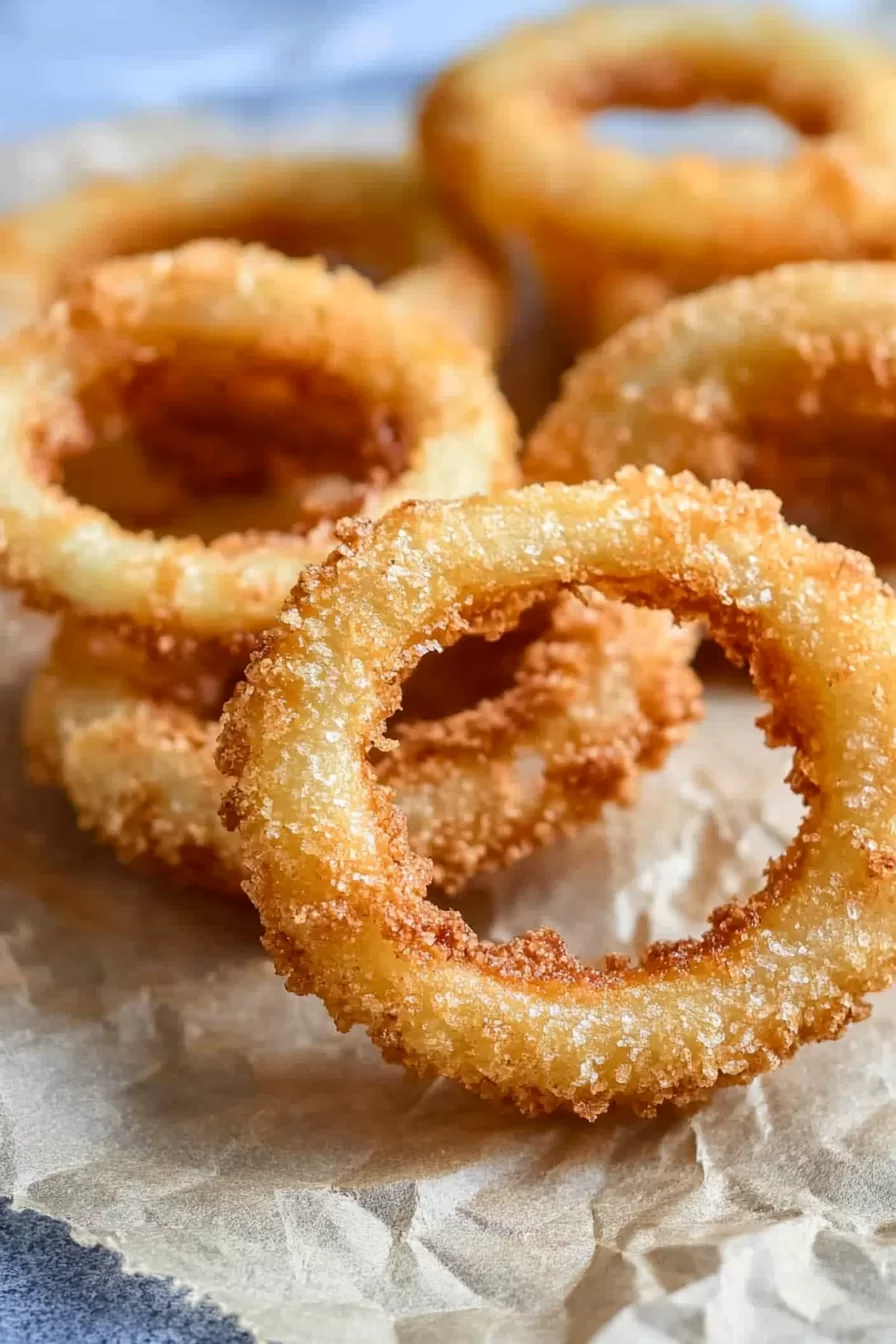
375, 214
343, 897
226, 344
786, 380
597, 693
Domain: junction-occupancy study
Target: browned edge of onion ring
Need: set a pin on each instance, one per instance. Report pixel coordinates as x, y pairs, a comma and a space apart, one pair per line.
785, 379
234, 331
373, 212
616, 232
343, 898
600, 694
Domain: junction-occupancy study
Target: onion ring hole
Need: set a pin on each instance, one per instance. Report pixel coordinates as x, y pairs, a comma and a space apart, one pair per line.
725, 130
205, 443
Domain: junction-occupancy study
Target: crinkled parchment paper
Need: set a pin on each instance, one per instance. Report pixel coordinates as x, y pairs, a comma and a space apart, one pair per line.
163, 1095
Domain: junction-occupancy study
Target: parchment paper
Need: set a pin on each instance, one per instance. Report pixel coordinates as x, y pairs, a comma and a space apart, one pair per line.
162, 1094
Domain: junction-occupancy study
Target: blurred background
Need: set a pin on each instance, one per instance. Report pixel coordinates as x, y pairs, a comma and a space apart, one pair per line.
259, 59
104, 87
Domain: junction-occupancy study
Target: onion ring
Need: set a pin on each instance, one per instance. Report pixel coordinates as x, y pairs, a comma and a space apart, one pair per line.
375, 213
181, 347
786, 380
342, 896
616, 232
601, 693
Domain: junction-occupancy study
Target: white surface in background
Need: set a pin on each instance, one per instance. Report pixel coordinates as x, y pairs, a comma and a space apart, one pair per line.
728, 132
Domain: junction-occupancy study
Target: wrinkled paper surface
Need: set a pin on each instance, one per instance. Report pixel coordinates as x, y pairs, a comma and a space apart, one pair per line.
162, 1094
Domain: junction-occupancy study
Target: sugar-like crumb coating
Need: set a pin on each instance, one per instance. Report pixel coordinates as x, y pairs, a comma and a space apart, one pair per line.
248, 359
600, 692
785, 379
343, 898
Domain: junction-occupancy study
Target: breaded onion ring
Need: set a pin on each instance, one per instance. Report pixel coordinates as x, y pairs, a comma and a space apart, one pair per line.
600, 693
786, 380
187, 349
617, 232
343, 898
374, 213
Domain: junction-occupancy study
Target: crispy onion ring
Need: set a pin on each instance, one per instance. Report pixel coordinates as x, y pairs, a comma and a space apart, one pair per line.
617, 232
786, 380
601, 693
181, 347
374, 213
343, 898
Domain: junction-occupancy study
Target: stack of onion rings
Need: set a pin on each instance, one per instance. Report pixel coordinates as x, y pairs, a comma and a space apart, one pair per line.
193, 432
785, 379
342, 896
616, 233
374, 213
218, 352
600, 695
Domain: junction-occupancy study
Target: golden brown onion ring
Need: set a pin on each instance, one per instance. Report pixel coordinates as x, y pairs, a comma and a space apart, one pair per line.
373, 213
191, 350
599, 694
617, 232
786, 380
343, 898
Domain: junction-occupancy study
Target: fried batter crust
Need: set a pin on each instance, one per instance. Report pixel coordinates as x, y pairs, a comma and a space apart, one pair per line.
602, 694
435, 424
615, 232
374, 213
786, 379
343, 898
